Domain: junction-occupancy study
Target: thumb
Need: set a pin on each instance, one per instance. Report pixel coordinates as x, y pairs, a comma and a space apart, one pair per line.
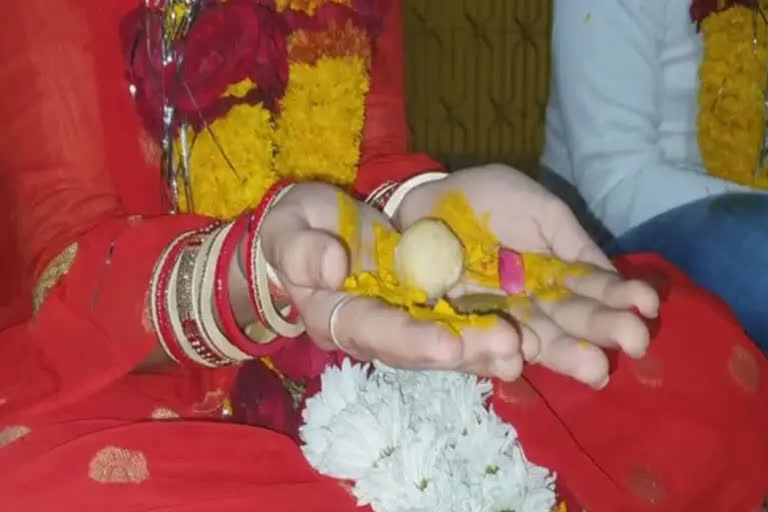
309, 258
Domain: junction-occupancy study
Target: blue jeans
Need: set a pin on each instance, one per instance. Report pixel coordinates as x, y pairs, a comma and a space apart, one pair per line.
722, 243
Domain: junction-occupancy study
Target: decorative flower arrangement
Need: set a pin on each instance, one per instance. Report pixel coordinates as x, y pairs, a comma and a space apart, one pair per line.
734, 81
420, 441
237, 92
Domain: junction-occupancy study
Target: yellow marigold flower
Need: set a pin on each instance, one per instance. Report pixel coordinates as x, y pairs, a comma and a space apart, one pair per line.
240, 89
321, 121
309, 46
307, 6
244, 139
732, 111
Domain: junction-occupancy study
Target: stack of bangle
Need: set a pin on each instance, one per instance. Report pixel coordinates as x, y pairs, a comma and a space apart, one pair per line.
189, 296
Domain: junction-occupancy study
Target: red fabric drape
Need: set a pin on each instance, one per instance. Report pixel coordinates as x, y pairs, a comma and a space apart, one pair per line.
684, 430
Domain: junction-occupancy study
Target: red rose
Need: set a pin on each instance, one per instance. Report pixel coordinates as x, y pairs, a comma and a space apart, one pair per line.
228, 42
302, 360
259, 399
700, 9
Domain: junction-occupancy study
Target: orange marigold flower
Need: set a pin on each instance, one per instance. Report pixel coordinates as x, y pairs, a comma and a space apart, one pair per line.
308, 6
347, 41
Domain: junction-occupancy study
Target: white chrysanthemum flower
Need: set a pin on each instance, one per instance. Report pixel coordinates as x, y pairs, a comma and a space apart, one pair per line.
340, 386
420, 442
414, 476
361, 435
484, 442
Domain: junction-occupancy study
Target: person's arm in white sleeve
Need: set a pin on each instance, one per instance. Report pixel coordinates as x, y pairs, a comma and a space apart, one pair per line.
607, 75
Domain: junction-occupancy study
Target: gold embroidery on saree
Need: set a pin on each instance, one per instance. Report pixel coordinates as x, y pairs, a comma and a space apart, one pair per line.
12, 434
56, 269
164, 414
113, 465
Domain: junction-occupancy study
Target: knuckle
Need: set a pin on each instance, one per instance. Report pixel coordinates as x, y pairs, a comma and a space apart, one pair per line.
510, 369
557, 208
629, 324
504, 345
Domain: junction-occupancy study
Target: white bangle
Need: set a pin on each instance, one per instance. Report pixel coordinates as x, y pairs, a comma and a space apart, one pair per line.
154, 293
271, 272
202, 296
175, 321
397, 197
273, 317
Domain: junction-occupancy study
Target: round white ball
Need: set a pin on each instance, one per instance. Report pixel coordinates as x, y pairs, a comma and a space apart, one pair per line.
429, 257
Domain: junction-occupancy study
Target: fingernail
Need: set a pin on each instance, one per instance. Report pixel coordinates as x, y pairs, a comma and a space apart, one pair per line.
603, 383
531, 345
511, 271
651, 322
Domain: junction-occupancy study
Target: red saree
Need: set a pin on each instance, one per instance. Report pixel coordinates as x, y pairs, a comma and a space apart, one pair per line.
682, 430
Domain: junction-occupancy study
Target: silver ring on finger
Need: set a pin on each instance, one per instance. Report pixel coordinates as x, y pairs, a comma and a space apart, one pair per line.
333, 320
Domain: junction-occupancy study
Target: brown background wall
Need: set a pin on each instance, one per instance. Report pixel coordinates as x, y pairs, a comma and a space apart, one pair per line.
477, 78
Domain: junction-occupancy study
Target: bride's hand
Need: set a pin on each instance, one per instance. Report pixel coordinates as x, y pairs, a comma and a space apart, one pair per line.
301, 237
598, 312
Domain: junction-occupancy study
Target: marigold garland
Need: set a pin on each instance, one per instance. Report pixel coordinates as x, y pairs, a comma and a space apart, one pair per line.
732, 110
245, 135
241, 154
325, 100
308, 6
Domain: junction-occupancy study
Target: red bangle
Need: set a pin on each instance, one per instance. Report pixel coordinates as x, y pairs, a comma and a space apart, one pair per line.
288, 325
159, 306
246, 224
255, 220
221, 291
204, 298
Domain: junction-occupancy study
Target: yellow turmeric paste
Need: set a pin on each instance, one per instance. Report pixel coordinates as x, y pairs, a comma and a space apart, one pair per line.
544, 275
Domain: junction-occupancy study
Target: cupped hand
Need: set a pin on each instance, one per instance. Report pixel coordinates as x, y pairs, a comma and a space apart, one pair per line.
313, 250
598, 312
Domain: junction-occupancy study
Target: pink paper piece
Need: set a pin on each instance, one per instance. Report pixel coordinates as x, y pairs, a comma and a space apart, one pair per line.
511, 271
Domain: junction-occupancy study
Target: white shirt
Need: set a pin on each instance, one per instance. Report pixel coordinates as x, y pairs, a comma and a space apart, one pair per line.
622, 116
